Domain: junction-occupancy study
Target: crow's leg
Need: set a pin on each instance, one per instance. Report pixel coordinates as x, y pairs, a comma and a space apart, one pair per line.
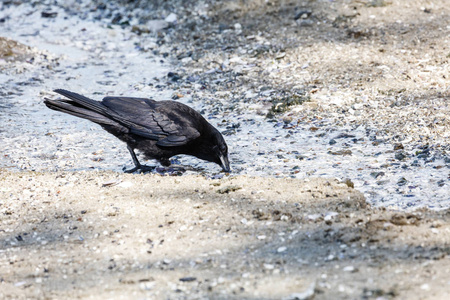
137, 164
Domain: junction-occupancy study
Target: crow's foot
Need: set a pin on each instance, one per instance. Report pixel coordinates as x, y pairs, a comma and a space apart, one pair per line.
141, 169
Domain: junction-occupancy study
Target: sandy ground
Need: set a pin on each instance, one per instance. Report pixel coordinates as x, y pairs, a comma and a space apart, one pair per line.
107, 235
375, 65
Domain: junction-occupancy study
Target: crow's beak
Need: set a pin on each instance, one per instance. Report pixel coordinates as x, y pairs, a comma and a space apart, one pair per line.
224, 163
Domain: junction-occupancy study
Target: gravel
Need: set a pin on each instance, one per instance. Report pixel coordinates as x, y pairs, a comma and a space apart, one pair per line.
298, 90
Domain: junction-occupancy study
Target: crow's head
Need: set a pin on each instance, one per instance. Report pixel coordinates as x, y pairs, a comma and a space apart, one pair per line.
221, 150
214, 149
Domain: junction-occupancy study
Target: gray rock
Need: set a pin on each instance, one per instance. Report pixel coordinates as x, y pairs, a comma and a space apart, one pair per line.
157, 25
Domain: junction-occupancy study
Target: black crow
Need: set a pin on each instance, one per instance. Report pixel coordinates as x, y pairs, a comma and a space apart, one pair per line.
160, 129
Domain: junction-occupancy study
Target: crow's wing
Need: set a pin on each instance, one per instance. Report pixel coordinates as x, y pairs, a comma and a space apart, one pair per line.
142, 118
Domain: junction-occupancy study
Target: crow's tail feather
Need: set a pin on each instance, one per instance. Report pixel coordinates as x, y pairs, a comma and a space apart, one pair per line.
84, 101
103, 115
76, 109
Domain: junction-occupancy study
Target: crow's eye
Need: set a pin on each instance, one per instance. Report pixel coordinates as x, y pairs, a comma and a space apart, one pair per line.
223, 148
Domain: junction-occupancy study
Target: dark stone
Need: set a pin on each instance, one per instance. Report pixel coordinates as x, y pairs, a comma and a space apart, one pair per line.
48, 14
398, 146
188, 279
400, 155
173, 76
377, 174
303, 14
402, 181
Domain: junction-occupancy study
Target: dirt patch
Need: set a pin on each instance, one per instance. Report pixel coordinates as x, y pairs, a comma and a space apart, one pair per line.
11, 50
74, 235
17, 58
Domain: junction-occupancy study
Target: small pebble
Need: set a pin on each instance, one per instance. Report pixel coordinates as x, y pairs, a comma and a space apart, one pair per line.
400, 156
281, 249
350, 269
188, 279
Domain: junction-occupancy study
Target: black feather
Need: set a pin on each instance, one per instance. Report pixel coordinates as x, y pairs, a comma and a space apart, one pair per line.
160, 129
